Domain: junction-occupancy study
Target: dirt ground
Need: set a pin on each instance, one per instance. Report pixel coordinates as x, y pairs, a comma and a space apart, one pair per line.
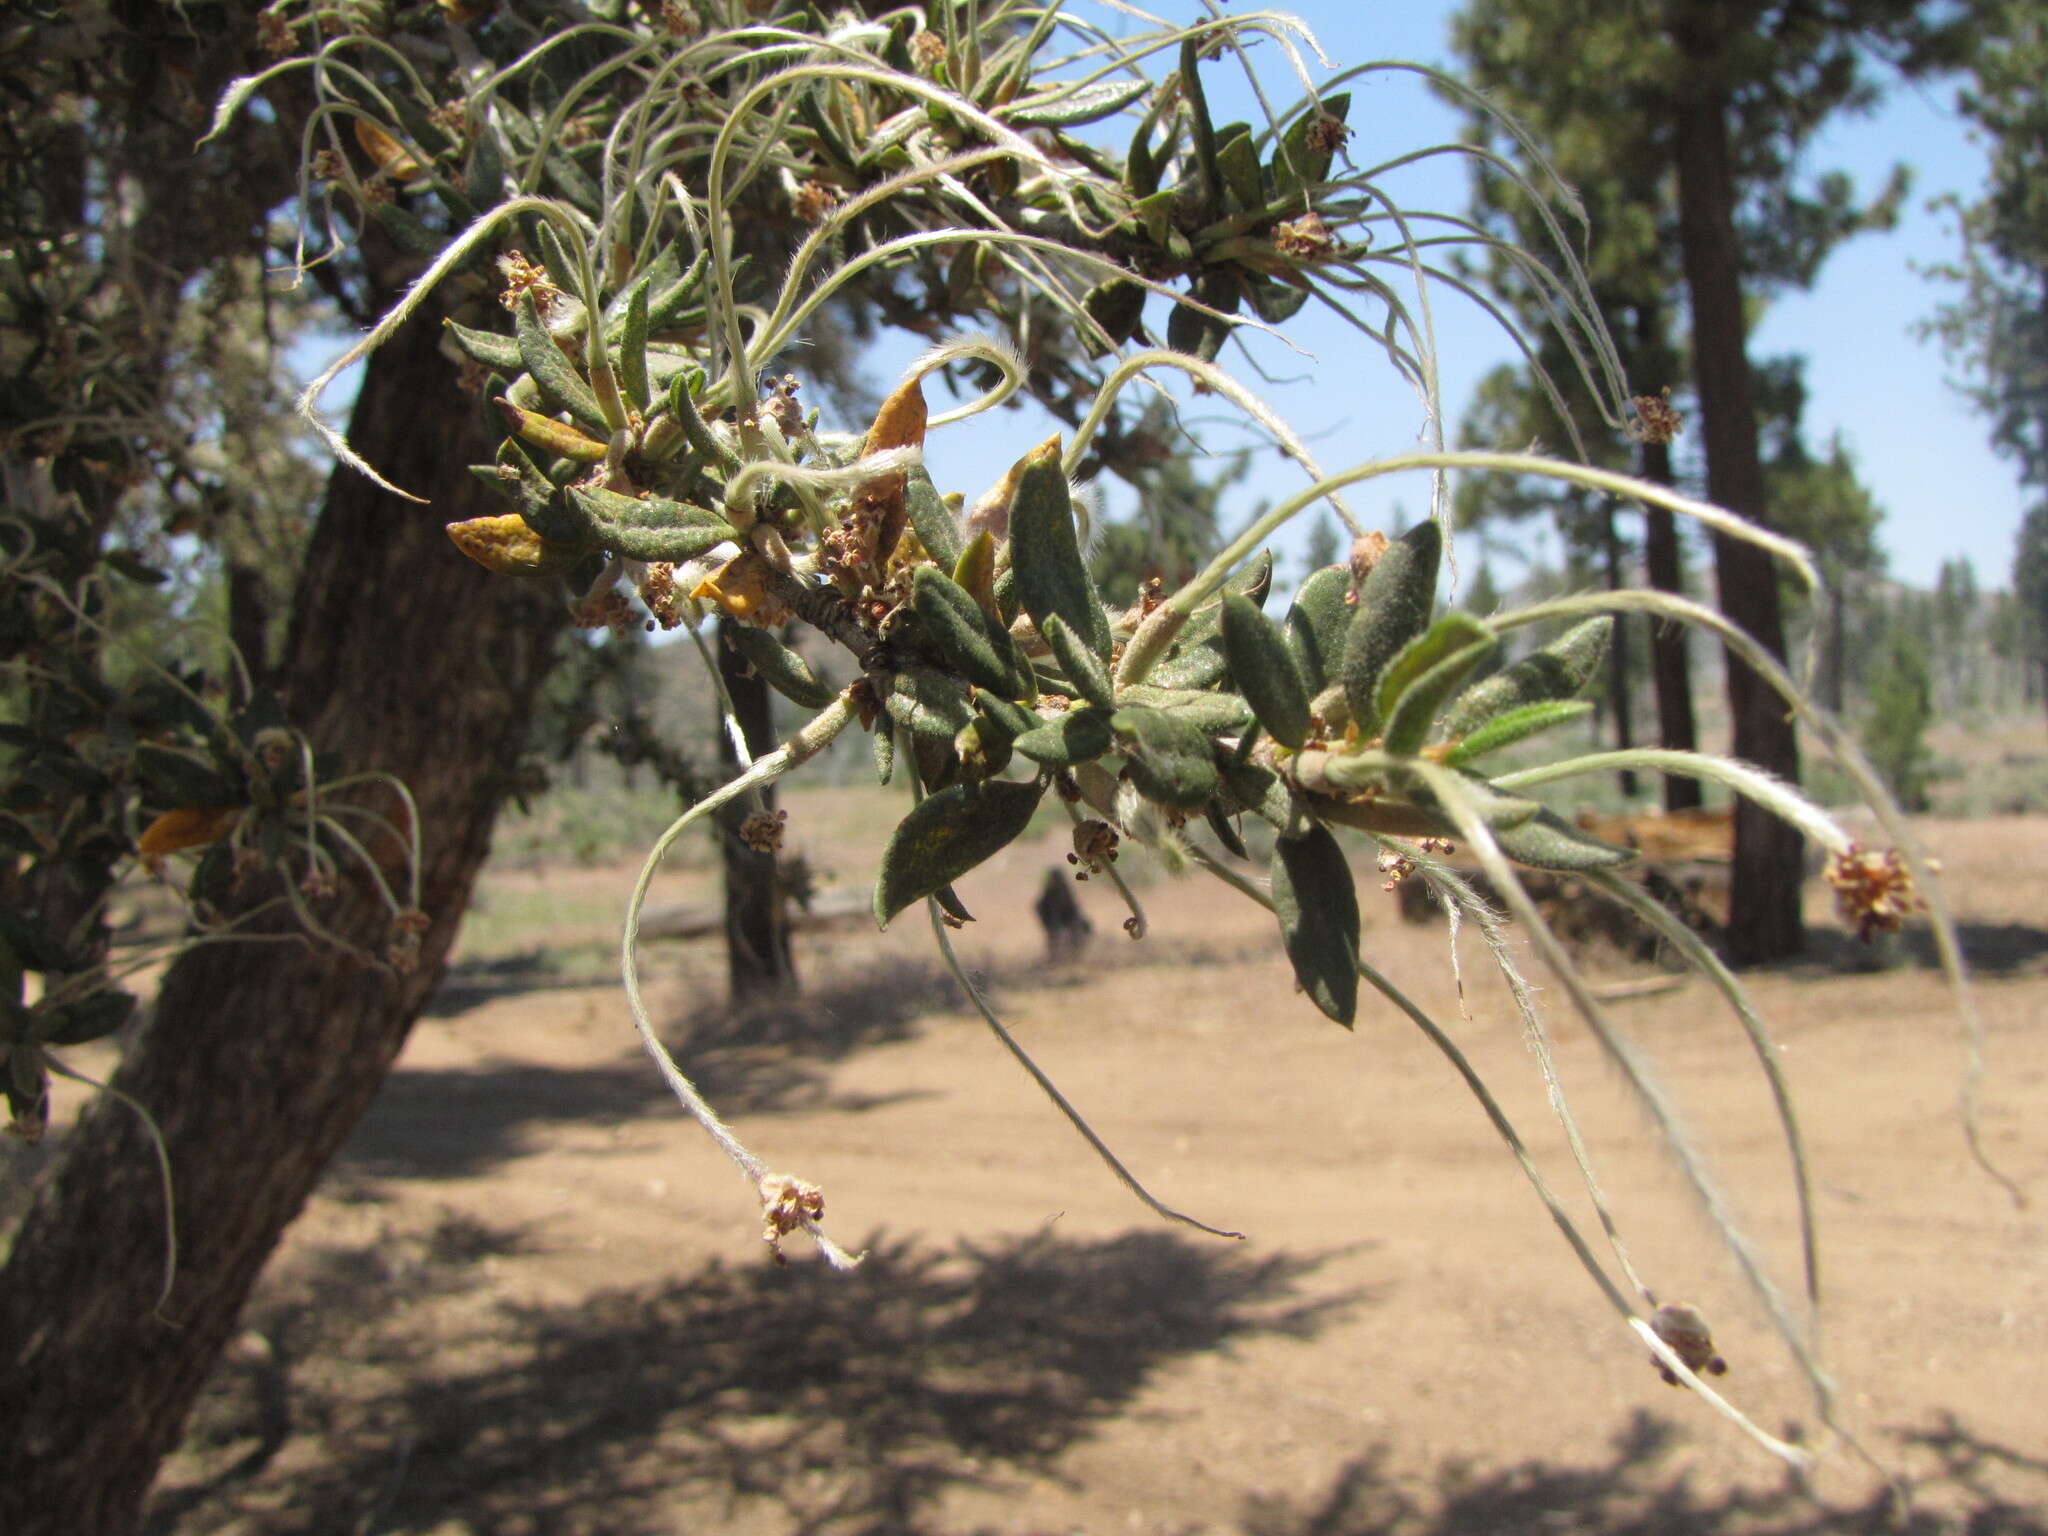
532, 1300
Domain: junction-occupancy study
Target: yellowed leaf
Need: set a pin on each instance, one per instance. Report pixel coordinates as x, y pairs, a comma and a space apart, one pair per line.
187, 826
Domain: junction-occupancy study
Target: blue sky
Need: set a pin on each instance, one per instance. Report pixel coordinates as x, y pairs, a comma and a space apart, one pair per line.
1916, 443
1924, 454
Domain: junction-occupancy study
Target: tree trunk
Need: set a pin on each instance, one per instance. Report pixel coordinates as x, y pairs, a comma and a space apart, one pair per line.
1764, 898
758, 958
260, 1059
1617, 656
1670, 642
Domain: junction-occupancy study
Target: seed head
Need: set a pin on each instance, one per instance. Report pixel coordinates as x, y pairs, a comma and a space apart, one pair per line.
1656, 420
1873, 891
1686, 1332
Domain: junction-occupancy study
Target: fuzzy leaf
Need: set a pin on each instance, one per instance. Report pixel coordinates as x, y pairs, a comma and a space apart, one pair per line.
1317, 904
1265, 672
1073, 108
1276, 302
1213, 711
929, 703
1117, 306
931, 519
1394, 603
1045, 551
1407, 728
958, 629
1170, 758
1300, 164
1226, 834
1239, 164
1078, 736
90, 1018
1316, 624
1515, 725
1548, 841
1449, 634
1557, 671
560, 384
947, 835
780, 667
1087, 678
633, 352
487, 347
653, 529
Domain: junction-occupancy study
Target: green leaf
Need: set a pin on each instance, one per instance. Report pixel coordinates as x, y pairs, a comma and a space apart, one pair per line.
1073, 108
1265, 672
780, 667
1557, 671
560, 384
1548, 841
1452, 632
170, 777
947, 835
1045, 551
1226, 834
1515, 725
1316, 624
1317, 905
1170, 759
633, 352
1079, 736
1086, 676
1214, 711
929, 703
1274, 301
931, 519
885, 755
1239, 164
650, 529
1254, 579
1393, 608
90, 1018
1407, 728
493, 351
958, 630
1299, 165
1117, 306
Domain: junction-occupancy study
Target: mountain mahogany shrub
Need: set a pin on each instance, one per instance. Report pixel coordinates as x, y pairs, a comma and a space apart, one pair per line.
651, 207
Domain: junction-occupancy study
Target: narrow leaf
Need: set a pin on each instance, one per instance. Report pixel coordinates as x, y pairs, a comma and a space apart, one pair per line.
1045, 551
1078, 736
1450, 633
650, 529
1265, 672
947, 835
1317, 904
560, 384
1393, 608
1170, 759
780, 667
958, 629
1557, 671
1548, 841
1409, 724
1316, 624
1087, 678
1515, 725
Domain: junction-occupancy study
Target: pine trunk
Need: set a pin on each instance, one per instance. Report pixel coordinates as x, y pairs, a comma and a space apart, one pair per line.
759, 962
1617, 656
1670, 642
260, 1059
1764, 921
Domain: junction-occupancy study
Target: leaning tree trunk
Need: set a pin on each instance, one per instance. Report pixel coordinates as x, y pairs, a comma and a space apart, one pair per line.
1764, 917
260, 1059
759, 962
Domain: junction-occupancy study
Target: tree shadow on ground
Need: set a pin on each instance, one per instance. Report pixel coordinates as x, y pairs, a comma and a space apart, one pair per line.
826, 1402
1632, 1493
1990, 949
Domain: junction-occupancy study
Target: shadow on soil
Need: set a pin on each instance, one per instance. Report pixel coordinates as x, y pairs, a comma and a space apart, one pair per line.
370, 1397
372, 1394
1990, 949
1630, 1494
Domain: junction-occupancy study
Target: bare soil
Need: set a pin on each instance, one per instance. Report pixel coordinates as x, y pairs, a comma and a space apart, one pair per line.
532, 1300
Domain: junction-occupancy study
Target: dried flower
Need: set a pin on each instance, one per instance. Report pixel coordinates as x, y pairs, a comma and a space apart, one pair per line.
678, 18
452, 118
763, 831
274, 35
326, 165
1094, 848
659, 592
787, 1203
1366, 550
1327, 134
1306, 238
927, 50
1686, 1333
814, 199
523, 276
1656, 420
1873, 891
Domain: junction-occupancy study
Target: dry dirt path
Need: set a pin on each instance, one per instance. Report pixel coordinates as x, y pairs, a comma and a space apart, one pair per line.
531, 1301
